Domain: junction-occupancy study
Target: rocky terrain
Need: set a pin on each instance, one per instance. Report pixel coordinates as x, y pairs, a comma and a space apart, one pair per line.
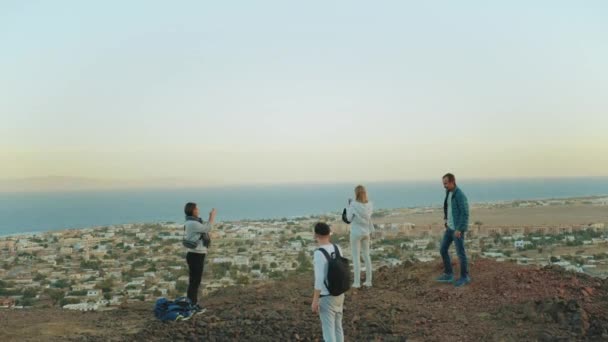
505, 302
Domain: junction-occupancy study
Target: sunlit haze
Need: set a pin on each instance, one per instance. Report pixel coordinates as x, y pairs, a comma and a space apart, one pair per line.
222, 92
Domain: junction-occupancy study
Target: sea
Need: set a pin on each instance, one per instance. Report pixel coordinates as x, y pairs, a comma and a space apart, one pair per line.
33, 212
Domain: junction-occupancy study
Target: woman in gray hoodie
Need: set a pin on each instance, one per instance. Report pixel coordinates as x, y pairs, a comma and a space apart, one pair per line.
195, 256
359, 213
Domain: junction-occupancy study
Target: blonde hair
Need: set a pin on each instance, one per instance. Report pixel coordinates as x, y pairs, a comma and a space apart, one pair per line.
361, 194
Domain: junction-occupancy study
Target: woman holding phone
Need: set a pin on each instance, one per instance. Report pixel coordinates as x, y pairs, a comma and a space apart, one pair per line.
359, 213
196, 246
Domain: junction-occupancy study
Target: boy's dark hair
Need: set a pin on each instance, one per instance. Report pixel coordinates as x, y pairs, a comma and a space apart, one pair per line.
322, 229
451, 178
189, 208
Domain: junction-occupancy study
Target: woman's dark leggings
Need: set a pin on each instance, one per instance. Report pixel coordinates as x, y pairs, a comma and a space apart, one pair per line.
196, 263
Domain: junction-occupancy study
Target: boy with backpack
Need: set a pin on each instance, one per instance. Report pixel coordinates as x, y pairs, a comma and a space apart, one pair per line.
332, 279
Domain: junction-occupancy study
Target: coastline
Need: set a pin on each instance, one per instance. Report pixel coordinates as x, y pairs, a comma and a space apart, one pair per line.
314, 215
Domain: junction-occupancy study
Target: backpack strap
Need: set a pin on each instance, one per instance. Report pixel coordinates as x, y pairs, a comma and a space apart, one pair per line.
337, 250
327, 256
322, 250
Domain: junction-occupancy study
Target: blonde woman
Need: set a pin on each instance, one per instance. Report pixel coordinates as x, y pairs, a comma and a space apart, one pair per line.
359, 213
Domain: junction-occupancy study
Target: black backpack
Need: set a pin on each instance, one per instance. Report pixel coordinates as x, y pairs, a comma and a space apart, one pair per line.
338, 278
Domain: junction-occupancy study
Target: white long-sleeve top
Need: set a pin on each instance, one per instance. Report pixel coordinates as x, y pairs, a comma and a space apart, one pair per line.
321, 266
360, 216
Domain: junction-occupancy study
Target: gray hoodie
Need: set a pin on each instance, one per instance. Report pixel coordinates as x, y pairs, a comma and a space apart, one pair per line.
360, 216
193, 233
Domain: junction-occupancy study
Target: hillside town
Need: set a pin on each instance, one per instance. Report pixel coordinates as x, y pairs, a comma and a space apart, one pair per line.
102, 268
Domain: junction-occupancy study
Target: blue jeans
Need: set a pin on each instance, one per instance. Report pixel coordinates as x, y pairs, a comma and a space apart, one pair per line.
448, 238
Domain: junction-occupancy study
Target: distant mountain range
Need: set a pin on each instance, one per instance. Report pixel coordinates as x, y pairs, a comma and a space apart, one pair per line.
60, 183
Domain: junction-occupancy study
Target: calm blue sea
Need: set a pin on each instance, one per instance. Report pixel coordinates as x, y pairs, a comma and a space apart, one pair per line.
36, 212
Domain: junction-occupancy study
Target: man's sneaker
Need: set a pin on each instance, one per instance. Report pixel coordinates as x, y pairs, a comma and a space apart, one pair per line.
367, 285
462, 281
198, 310
356, 286
445, 278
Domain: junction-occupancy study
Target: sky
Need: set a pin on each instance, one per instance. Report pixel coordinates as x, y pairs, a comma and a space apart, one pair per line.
240, 92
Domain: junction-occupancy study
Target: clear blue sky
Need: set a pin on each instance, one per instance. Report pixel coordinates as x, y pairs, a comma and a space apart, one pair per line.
286, 91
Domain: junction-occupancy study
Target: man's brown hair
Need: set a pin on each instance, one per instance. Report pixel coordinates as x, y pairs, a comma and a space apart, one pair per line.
451, 178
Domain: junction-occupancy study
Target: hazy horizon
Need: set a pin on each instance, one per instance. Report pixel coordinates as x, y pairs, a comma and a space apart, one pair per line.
78, 208
80, 184
270, 92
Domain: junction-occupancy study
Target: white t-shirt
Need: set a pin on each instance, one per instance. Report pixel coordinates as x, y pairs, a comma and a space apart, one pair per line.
450, 215
321, 265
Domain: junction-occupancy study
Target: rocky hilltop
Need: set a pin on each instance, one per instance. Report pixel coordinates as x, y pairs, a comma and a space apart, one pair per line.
505, 302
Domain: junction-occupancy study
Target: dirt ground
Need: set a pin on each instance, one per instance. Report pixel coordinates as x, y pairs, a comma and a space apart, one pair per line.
505, 302
59, 325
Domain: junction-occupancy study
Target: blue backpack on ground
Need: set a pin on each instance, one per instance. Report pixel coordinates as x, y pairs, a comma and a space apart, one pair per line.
179, 309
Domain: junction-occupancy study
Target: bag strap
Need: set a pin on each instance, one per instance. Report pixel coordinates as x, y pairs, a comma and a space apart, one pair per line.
336, 250
354, 214
201, 235
322, 250
327, 256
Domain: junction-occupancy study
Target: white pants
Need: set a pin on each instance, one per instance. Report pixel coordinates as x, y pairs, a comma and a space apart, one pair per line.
360, 245
330, 312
